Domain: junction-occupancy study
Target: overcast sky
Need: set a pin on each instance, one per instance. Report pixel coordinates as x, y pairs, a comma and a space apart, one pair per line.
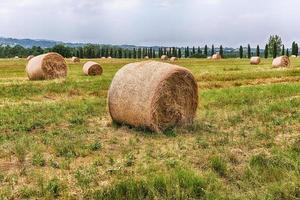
152, 22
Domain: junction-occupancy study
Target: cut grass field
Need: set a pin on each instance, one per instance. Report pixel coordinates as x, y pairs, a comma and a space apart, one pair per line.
57, 139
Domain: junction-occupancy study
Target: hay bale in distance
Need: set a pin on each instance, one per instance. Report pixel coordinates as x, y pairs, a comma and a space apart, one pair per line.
146, 57
209, 58
103, 57
153, 95
164, 57
75, 59
282, 61
255, 60
16, 57
293, 56
109, 57
91, 68
47, 66
216, 56
29, 57
173, 59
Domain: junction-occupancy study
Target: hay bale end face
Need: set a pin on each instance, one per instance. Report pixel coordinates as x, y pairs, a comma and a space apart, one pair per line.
282, 61
164, 57
173, 59
153, 95
47, 66
92, 69
216, 57
29, 57
255, 60
75, 59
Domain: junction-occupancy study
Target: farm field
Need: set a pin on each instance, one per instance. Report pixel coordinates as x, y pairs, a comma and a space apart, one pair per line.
57, 139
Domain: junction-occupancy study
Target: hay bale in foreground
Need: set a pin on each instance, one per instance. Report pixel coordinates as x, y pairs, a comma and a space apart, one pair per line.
75, 59
216, 57
173, 59
29, 57
255, 60
153, 95
92, 68
164, 57
282, 61
47, 66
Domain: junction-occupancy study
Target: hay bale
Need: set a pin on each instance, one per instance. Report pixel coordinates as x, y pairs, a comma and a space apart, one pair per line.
293, 56
164, 57
146, 57
75, 59
173, 59
255, 60
29, 57
282, 61
109, 57
47, 66
209, 58
103, 57
16, 57
216, 56
92, 68
153, 95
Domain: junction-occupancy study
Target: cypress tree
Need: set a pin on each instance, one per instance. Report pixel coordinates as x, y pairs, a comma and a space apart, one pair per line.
258, 51
212, 50
199, 51
249, 51
267, 51
274, 50
205, 51
296, 49
187, 52
134, 53
287, 52
283, 50
179, 53
241, 51
194, 51
221, 51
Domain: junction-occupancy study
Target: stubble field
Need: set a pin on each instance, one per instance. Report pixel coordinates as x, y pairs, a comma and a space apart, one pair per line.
57, 139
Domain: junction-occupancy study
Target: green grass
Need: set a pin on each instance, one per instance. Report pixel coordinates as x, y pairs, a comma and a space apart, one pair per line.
57, 139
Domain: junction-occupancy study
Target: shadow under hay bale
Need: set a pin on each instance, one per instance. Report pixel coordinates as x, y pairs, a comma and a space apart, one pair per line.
153, 95
255, 60
47, 66
92, 69
282, 61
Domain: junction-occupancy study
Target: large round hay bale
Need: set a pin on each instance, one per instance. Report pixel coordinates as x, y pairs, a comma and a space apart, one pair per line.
75, 59
29, 57
91, 68
153, 95
216, 56
255, 60
282, 61
47, 66
173, 59
164, 57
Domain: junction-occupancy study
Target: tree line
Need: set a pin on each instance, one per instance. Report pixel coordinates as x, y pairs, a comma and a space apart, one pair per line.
273, 48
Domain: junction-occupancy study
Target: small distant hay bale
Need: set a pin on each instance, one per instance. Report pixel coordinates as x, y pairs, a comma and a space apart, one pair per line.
91, 68
164, 57
103, 58
209, 58
109, 57
153, 95
255, 60
293, 56
173, 59
75, 59
282, 61
16, 57
29, 57
47, 66
146, 57
216, 56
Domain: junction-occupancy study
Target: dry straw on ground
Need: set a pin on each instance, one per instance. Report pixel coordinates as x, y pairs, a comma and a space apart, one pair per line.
282, 61
216, 56
255, 60
47, 66
29, 57
164, 57
173, 59
75, 59
153, 95
92, 68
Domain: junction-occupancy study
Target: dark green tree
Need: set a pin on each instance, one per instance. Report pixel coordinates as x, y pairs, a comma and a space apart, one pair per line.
249, 51
241, 51
275, 44
221, 51
258, 51
267, 51
212, 50
205, 51
283, 50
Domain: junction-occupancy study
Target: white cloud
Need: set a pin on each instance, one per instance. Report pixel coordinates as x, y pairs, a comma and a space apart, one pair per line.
166, 22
